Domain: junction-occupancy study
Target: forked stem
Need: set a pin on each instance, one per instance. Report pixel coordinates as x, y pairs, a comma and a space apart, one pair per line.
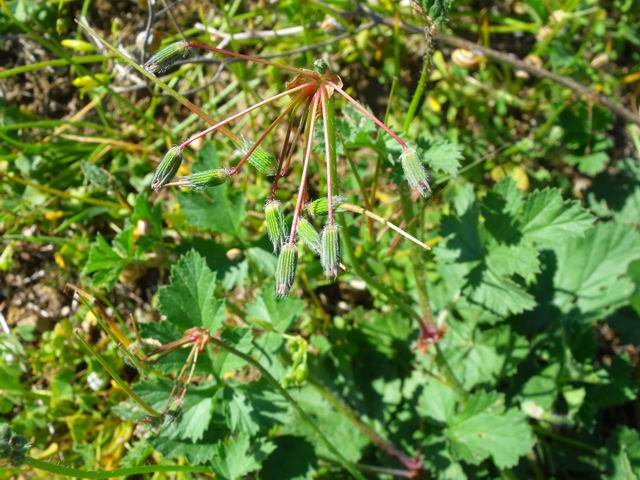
237, 115
273, 125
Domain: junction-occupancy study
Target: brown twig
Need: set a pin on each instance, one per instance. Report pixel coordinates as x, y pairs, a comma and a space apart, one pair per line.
512, 60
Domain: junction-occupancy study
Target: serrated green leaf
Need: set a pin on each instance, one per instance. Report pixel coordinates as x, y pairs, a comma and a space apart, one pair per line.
507, 260
444, 157
272, 312
485, 430
106, 262
189, 300
623, 448
591, 271
547, 218
238, 456
437, 402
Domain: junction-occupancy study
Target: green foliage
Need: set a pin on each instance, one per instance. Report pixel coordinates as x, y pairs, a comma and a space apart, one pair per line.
510, 350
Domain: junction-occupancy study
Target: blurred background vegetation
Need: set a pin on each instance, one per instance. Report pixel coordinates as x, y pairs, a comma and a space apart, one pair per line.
546, 97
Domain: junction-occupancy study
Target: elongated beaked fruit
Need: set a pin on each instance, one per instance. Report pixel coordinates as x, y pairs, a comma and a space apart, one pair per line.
261, 160
205, 179
166, 57
414, 172
276, 228
286, 269
309, 235
330, 250
167, 168
321, 205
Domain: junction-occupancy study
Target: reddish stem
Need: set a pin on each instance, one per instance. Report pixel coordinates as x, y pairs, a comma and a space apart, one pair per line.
303, 180
273, 125
298, 71
369, 115
284, 153
327, 153
235, 116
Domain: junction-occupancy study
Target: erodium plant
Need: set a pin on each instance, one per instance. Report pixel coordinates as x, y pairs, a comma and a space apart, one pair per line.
308, 94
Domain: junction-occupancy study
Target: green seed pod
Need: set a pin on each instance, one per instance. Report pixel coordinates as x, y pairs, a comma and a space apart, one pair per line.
321, 205
165, 57
206, 179
286, 269
276, 227
414, 172
167, 168
261, 160
330, 250
309, 235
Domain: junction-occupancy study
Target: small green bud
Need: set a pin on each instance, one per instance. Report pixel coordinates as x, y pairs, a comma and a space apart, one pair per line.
321, 205
414, 172
308, 234
276, 227
320, 66
286, 269
165, 57
261, 160
330, 250
205, 179
167, 168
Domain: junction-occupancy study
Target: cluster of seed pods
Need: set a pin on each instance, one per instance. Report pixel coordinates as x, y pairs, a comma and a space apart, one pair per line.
308, 94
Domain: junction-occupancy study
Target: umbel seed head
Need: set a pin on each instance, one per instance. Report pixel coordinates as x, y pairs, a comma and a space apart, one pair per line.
286, 269
276, 228
414, 172
309, 235
330, 251
167, 56
167, 168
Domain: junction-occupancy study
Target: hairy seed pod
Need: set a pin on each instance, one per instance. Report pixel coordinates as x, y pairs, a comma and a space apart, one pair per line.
286, 269
167, 56
261, 160
205, 179
276, 228
321, 205
414, 172
330, 250
167, 168
309, 235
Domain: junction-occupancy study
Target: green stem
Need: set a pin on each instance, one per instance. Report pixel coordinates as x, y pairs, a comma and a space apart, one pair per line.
417, 95
120, 472
374, 436
287, 396
57, 62
163, 86
121, 383
372, 282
